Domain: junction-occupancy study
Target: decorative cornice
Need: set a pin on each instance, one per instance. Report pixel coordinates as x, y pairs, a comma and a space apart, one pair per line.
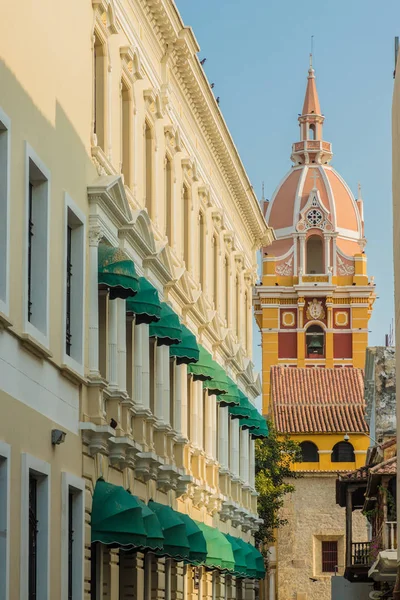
197, 88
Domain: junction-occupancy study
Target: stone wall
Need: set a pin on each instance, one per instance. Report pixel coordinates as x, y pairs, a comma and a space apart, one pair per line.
313, 516
380, 392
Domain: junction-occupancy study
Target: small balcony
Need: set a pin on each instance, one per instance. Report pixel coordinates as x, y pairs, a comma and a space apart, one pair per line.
361, 554
358, 563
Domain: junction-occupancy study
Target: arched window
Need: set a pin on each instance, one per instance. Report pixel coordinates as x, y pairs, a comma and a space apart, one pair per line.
315, 254
311, 132
315, 341
343, 452
309, 452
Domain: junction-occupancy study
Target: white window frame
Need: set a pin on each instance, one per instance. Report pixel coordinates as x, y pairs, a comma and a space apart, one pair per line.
31, 464
77, 360
5, 481
5, 154
41, 335
77, 485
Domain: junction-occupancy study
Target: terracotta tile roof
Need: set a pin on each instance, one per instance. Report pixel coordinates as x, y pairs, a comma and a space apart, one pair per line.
388, 467
360, 474
313, 400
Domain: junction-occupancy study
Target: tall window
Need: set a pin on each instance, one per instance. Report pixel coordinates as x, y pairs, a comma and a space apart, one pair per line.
186, 224
237, 293
99, 95
37, 246
329, 557
343, 452
226, 288
30, 244
70, 544
246, 320
315, 255
72, 536
4, 203
126, 133
148, 168
33, 537
69, 285
168, 199
215, 270
74, 283
35, 529
202, 249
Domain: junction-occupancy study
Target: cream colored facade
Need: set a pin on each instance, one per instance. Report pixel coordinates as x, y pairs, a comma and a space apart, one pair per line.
109, 128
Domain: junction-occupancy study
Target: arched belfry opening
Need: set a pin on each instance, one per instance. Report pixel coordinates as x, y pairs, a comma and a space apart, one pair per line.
315, 255
315, 342
312, 132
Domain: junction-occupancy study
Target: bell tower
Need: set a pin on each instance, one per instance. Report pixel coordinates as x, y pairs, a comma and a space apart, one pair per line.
315, 299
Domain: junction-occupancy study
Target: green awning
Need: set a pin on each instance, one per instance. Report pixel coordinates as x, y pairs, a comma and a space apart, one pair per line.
219, 384
257, 560
219, 550
197, 542
176, 543
146, 305
250, 557
244, 410
155, 536
231, 398
253, 421
203, 370
122, 520
262, 431
239, 555
187, 351
168, 329
117, 271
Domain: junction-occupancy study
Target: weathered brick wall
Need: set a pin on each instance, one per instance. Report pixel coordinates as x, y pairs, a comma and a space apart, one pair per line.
312, 515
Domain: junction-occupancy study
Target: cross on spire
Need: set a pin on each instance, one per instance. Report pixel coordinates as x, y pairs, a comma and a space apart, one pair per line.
315, 176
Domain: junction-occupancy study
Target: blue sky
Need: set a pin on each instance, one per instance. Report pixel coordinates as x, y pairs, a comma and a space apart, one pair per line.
257, 56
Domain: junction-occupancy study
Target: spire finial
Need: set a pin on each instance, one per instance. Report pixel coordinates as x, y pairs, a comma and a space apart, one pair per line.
311, 52
359, 191
263, 197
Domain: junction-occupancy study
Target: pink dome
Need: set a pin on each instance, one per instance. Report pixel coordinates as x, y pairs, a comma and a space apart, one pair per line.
284, 210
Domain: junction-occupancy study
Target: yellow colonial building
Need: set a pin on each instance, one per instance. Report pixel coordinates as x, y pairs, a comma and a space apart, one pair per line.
128, 239
313, 306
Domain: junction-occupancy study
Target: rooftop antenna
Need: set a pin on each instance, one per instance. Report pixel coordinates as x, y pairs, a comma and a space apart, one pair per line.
263, 196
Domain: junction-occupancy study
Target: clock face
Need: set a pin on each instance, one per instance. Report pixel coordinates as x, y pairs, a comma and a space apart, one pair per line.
315, 217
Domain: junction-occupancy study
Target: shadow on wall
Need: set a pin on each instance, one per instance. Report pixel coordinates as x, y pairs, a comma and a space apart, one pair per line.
59, 145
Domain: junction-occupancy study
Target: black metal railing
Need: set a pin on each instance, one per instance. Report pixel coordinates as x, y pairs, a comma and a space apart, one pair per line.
360, 553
